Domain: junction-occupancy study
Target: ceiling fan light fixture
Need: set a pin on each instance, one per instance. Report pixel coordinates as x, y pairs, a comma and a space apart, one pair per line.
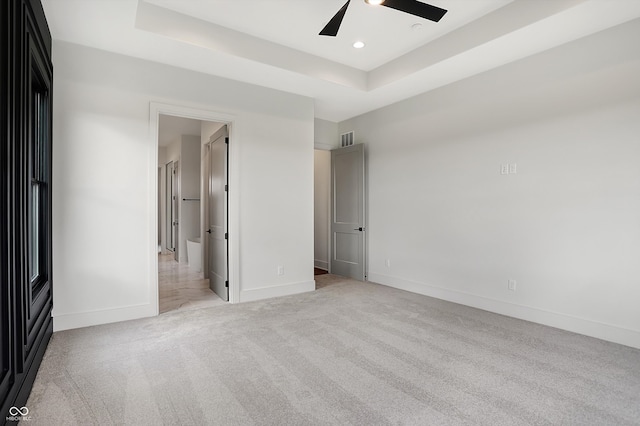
412, 7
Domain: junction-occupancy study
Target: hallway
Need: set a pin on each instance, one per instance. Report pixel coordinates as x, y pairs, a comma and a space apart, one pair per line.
181, 288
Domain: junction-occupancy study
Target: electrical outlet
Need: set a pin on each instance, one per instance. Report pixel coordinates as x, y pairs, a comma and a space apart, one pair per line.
387, 263
504, 169
513, 168
280, 270
512, 285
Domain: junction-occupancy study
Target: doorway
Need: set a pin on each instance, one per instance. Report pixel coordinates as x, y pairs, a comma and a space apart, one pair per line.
321, 210
339, 213
187, 204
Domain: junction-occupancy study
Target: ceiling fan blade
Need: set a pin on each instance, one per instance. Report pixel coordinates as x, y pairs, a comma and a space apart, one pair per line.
417, 8
331, 29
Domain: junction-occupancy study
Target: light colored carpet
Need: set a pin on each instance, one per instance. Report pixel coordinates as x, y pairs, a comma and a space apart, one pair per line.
348, 353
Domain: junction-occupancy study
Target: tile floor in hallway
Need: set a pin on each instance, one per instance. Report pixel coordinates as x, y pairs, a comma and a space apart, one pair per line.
181, 287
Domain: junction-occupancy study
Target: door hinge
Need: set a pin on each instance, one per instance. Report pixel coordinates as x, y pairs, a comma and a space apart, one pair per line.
226, 235
226, 187
226, 140
226, 284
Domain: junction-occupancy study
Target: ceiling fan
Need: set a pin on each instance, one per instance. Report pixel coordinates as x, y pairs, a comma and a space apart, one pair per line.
413, 7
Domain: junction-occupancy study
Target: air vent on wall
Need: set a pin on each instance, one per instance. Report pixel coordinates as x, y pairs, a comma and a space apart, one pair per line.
346, 139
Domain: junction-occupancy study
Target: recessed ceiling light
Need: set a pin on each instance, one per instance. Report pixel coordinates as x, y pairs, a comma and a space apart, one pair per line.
374, 2
358, 45
416, 27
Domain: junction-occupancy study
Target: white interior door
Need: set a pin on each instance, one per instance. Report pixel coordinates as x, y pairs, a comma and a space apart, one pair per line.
348, 212
217, 236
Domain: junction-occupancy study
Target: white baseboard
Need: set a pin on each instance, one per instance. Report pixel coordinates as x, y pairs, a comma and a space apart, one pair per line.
276, 291
584, 326
321, 264
106, 316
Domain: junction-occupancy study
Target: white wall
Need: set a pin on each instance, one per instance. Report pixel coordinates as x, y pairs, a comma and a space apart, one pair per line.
104, 180
566, 227
321, 207
325, 134
162, 156
173, 150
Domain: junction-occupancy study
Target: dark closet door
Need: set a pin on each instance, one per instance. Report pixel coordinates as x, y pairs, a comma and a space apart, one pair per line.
35, 289
25, 202
6, 316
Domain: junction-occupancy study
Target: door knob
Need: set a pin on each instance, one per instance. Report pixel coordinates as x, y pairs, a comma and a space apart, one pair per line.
208, 231
359, 229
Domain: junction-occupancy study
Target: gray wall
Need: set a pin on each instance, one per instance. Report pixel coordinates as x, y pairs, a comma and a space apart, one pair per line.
565, 227
325, 134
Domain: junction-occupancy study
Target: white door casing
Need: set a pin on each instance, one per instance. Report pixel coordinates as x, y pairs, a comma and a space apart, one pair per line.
235, 126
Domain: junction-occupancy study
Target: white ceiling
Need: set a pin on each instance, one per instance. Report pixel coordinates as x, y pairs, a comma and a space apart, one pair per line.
387, 33
275, 43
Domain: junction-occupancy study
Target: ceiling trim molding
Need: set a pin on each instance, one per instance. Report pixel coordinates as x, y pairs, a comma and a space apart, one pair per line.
187, 29
154, 32
499, 23
465, 41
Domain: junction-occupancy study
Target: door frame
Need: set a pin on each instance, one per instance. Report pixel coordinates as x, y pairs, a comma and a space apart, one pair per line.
327, 148
234, 126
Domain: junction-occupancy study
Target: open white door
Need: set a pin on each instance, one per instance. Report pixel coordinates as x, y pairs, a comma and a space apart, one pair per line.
348, 212
217, 234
